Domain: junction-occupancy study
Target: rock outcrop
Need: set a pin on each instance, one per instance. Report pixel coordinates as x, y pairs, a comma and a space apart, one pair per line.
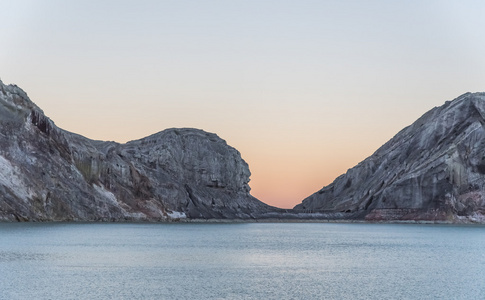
432, 170
49, 174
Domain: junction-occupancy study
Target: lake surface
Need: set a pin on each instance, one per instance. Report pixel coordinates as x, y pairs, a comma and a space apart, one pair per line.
241, 261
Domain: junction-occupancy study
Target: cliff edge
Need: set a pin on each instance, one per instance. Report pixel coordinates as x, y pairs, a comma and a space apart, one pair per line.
49, 174
433, 170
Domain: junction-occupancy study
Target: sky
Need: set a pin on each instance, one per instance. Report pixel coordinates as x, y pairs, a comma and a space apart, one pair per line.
303, 89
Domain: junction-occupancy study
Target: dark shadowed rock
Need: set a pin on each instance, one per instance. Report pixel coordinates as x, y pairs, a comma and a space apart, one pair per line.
48, 174
432, 170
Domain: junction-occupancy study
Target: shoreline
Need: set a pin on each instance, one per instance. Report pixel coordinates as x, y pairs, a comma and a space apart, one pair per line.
248, 221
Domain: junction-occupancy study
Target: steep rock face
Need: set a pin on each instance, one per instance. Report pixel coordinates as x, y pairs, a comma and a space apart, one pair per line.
431, 170
48, 174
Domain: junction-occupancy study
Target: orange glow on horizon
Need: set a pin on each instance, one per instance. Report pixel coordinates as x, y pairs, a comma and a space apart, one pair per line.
283, 179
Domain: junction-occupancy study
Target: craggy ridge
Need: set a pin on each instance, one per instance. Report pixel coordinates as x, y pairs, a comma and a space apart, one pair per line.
49, 174
433, 170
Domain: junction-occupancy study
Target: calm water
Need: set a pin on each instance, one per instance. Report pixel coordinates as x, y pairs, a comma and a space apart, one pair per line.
241, 261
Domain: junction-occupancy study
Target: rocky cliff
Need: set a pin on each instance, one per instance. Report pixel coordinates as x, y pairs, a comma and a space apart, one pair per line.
48, 174
432, 170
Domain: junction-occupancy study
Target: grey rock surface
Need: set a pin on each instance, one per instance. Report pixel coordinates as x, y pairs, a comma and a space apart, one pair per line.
433, 170
49, 174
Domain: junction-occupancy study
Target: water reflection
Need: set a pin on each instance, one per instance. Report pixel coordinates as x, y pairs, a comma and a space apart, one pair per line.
240, 261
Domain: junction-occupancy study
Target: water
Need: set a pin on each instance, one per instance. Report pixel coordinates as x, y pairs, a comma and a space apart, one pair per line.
241, 261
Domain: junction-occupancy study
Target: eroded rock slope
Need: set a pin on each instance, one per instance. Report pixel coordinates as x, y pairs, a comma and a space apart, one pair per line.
48, 174
432, 170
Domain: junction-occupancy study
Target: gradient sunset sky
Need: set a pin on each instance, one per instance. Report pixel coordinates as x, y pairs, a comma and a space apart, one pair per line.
303, 89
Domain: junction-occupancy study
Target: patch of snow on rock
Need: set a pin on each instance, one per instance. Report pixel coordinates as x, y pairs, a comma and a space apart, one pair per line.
177, 215
105, 193
10, 178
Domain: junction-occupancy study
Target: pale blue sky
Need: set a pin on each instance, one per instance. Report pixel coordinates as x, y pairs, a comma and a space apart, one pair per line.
304, 89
